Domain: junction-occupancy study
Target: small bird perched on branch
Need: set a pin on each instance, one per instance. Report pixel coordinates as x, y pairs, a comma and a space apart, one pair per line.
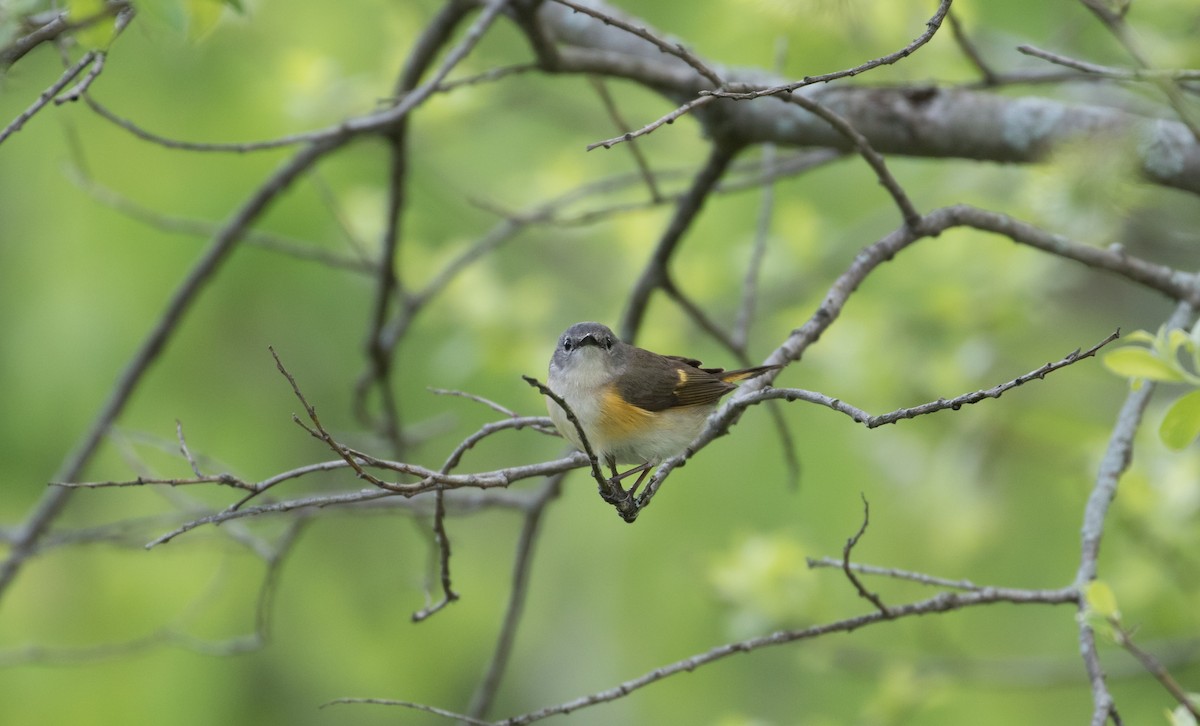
634, 406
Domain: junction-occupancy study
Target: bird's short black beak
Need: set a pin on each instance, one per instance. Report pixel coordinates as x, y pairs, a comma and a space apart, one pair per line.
590, 339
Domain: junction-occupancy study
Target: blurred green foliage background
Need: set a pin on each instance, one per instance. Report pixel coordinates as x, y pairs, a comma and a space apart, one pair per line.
993, 492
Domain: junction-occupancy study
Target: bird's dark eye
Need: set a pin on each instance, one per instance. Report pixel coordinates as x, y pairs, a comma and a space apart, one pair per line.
608, 343
566, 344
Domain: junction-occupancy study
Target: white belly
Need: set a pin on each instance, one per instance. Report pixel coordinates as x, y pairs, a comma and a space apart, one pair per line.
666, 434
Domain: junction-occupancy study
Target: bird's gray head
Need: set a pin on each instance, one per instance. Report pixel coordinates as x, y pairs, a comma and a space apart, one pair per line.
588, 345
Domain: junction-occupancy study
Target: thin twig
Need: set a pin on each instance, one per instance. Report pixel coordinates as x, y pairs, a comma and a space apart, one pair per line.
492, 74
1154, 667
442, 540
183, 449
223, 479
55, 26
819, 562
610, 490
240, 147
538, 423
849, 571
319, 431
1109, 72
990, 78
390, 293
740, 335
496, 479
476, 398
669, 118
686, 210
407, 704
873, 158
1114, 20
639, 159
941, 602
47, 95
1116, 460
295, 249
666, 46
746, 91
485, 692
80, 88
942, 404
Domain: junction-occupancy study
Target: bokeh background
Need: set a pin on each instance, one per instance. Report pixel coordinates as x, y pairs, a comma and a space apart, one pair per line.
993, 492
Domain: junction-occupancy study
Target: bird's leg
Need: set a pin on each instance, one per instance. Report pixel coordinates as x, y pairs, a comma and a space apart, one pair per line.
638, 483
612, 481
643, 468
616, 478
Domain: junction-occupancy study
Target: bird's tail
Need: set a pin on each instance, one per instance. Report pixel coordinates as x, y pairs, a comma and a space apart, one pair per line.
744, 373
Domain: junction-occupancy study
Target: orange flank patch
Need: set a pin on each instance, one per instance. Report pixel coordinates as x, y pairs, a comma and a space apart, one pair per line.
620, 420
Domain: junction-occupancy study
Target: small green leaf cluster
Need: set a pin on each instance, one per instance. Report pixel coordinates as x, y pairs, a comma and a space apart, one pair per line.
1171, 356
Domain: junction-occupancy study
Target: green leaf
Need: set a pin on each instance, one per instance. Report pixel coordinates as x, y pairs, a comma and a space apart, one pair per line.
1136, 362
1179, 339
202, 17
97, 35
1142, 336
167, 17
1181, 716
1181, 425
1101, 600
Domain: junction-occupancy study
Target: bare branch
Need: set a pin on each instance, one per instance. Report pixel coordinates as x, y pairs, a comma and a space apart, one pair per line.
47, 95
1178, 285
476, 398
293, 248
745, 90
54, 25
1109, 72
909, 212
941, 602
472, 501
924, 121
320, 431
488, 686
390, 293
181, 301
639, 158
407, 704
990, 78
675, 49
1115, 22
849, 571
670, 118
688, 208
742, 91
942, 404
1154, 667
224, 479
86, 83
1116, 460
819, 562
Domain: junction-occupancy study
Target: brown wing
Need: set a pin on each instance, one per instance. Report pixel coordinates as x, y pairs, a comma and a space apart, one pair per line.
657, 382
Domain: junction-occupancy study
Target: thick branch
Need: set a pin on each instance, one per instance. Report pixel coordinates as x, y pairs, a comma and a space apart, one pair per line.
914, 121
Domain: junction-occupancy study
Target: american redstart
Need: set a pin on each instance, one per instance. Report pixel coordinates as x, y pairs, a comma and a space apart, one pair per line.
634, 406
